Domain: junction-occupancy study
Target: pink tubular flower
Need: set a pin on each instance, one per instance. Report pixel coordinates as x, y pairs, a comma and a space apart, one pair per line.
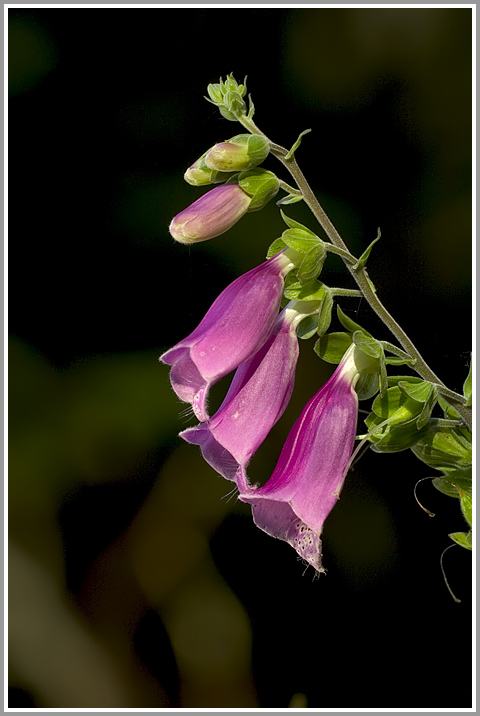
211, 215
257, 397
234, 328
309, 475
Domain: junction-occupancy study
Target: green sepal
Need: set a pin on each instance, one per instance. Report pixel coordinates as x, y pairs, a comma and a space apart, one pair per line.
367, 344
383, 377
418, 391
395, 379
444, 448
301, 240
275, 247
396, 360
363, 258
467, 386
428, 407
466, 504
448, 410
425, 393
258, 147
395, 438
216, 94
233, 102
312, 264
367, 386
226, 114
261, 185
332, 346
307, 327
448, 484
396, 406
325, 313
296, 291
349, 324
463, 539
297, 144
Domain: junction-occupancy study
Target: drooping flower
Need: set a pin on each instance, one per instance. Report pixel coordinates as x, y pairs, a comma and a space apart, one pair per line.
234, 328
308, 478
211, 215
257, 398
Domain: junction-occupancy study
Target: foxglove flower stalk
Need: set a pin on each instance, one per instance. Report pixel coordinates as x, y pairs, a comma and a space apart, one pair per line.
234, 328
309, 475
211, 215
257, 398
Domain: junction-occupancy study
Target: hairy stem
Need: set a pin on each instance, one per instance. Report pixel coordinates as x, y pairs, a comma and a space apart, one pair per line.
360, 275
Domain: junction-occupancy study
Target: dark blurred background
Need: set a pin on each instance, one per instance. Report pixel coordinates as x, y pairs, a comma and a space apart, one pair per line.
134, 582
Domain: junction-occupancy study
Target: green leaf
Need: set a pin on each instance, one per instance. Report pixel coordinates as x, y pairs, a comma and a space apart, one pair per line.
348, 323
467, 386
301, 240
464, 539
332, 346
308, 327
312, 291
274, 248
367, 344
363, 258
312, 264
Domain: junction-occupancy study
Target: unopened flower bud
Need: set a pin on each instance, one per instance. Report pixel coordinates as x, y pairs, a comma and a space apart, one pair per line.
199, 174
211, 215
228, 96
238, 154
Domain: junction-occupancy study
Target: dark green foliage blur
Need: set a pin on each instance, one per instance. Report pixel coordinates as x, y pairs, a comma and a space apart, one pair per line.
134, 581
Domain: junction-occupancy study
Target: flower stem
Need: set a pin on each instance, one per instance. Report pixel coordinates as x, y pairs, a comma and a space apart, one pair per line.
360, 275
